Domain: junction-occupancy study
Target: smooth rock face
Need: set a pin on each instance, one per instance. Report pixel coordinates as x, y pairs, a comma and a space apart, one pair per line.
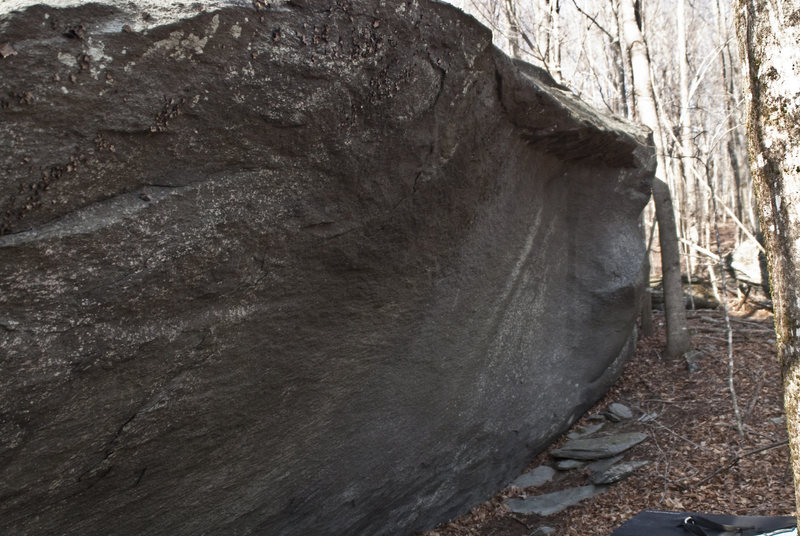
314, 268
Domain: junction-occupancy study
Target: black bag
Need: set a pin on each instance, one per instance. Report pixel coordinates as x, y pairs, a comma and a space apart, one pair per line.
654, 523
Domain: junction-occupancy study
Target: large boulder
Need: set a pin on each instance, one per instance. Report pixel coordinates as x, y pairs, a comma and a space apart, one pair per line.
294, 268
747, 263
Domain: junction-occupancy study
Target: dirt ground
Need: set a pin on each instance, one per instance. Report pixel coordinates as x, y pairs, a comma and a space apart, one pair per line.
699, 460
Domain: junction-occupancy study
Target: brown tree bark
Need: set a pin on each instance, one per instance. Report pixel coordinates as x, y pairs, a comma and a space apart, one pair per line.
769, 37
677, 333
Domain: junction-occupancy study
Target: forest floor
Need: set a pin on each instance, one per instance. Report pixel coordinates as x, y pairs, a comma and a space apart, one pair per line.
699, 461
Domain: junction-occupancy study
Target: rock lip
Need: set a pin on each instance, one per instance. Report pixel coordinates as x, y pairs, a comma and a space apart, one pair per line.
295, 267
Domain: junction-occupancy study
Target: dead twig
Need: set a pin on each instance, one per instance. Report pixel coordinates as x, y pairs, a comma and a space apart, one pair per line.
752, 405
521, 522
725, 315
752, 431
761, 327
665, 476
679, 436
700, 249
736, 460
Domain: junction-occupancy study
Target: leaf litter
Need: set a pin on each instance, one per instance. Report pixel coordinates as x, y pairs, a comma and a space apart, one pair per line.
699, 462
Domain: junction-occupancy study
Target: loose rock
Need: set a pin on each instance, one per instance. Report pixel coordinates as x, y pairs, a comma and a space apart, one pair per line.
566, 465
599, 447
617, 472
620, 411
535, 477
601, 465
587, 430
693, 358
552, 503
7, 50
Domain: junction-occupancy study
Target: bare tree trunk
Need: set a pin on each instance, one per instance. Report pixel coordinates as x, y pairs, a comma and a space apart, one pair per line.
728, 88
686, 148
510, 10
630, 99
677, 332
769, 31
620, 63
554, 48
695, 207
543, 9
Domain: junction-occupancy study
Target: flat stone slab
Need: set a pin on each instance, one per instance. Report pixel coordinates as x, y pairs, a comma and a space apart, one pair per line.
552, 503
596, 448
603, 464
617, 472
535, 477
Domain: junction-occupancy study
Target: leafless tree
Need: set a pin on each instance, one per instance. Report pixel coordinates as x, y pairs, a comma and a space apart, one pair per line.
677, 333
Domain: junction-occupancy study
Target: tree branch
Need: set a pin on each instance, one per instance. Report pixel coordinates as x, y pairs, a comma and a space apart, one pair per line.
733, 462
594, 21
